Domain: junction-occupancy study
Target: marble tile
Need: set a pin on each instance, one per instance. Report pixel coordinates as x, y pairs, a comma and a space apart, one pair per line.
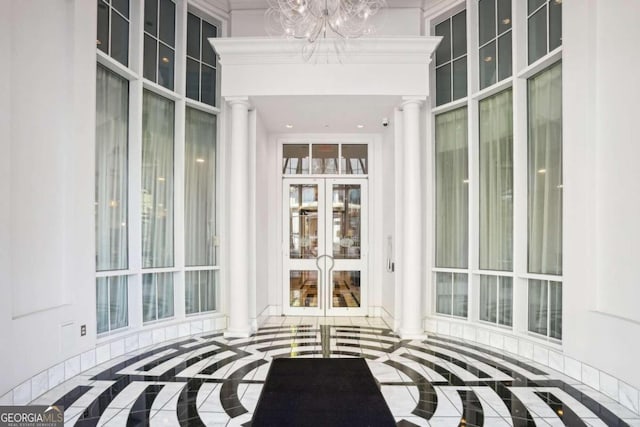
158, 335
399, 399
22, 393
629, 397
103, 353
556, 361
71, 367
117, 348
483, 336
573, 368
145, 339
39, 384
591, 377
209, 325
609, 385
166, 418
131, 343
541, 355
457, 330
469, 333
87, 360
221, 323
525, 349
511, 345
56, 375
496, 341
444, 328
7, 399
184, 329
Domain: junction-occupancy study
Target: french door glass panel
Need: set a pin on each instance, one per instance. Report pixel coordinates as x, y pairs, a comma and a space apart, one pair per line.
324, 226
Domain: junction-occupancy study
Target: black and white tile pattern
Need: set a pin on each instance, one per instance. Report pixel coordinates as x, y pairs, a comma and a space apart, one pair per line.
213, 381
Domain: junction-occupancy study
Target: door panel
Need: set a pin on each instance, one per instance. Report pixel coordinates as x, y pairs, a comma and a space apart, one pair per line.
325, 257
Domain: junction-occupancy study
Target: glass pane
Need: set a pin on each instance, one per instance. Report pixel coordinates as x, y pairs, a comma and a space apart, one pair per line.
102, 305
111, 179
346, 225
165, 295
324, 158
295, 159
460, 294
486, 21
200, 188
488, 298
533, 5
121, 6
303, 221
505, 305
193, 79
151, 17
118, 302
193, 36
354, 159
157, 181
102, 36
165, 66
487, 61
303, 288
496, 182
443, 293
120, 39
443, 84
150, 64
538, 306
555, 310
555, 24
207, 291
208, 55
504, 56
443, 51
452, 189
346, 289
208, 95
545, 171
191, 292
460, 78
537, 35
149, 303
167, 31
504, 16
459, 34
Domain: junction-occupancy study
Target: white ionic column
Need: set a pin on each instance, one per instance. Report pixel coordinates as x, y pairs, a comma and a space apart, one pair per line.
239, 205
411, 221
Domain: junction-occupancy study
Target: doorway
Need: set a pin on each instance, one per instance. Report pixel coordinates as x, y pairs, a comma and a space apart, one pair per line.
325, 256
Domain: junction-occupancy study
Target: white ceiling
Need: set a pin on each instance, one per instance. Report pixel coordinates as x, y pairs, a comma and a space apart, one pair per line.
262, 4
325, 114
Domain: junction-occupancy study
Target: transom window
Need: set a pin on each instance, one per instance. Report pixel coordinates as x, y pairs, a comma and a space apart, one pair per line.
113, 29
451, 59
494, 41
159, 41
325, 159
201, 60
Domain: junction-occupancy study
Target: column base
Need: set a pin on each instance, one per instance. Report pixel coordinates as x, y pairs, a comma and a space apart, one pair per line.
239, 333
412, 334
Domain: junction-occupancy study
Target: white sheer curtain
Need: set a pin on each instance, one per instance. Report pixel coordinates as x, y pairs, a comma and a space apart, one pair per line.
538, 306
111, 303
488, 298
496, 182
157, 181
452, 189
200, 188
545, 171
157, 296
112, 125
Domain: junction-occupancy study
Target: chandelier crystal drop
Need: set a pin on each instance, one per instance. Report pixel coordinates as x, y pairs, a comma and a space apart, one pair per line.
311, 20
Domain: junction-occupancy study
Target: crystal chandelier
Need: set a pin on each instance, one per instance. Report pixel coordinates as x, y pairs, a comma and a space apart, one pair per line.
311, 20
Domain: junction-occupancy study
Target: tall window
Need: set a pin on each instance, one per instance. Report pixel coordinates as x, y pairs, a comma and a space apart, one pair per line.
494, 38
157, 296
496, 299
111, 199
544, 22
451, 59
200, 218
452, 189
159, 41
157, 181
452, 294
496, 182
545, 171
545, 308
113, 29
201, 60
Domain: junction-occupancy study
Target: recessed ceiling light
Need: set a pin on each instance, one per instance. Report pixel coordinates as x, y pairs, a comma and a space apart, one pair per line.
289, 126
360, 126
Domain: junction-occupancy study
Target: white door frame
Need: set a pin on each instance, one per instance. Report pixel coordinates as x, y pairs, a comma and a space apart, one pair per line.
323, 305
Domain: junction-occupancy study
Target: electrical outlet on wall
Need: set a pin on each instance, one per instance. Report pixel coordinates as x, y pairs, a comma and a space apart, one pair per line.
83, 330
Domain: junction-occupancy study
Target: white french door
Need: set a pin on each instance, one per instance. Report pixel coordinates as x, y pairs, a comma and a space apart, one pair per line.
325, 246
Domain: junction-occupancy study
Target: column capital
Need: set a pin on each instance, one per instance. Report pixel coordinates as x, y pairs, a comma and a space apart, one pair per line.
409, 100
238, 100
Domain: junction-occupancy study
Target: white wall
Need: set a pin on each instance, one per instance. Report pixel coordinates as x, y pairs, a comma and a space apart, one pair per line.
263, 221
390, 22
47, 161
387, 175
601, 176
